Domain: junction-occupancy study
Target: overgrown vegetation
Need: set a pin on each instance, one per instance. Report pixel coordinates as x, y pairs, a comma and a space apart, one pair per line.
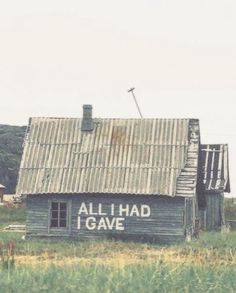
208, 265
121, 267
11, 140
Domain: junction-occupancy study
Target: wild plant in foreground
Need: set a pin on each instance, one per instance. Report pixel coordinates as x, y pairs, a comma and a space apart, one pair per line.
7, 255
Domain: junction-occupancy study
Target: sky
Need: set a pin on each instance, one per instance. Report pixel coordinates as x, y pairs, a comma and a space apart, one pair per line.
180, 56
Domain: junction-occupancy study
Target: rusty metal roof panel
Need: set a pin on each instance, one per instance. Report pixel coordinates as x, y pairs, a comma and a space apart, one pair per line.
131, 156
215, 167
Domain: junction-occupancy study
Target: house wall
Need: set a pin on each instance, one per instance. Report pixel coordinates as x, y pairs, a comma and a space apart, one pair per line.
212, 217
152, 218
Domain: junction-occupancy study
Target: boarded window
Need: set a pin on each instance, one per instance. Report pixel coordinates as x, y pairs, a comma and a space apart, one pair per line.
58, 214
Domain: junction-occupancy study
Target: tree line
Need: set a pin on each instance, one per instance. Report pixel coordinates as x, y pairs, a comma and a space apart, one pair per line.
11, 147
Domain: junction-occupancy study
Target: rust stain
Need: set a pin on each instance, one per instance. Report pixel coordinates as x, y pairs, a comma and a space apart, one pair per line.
118, 135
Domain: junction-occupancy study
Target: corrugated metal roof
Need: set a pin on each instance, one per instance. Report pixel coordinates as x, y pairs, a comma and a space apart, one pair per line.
131, 156
215, 167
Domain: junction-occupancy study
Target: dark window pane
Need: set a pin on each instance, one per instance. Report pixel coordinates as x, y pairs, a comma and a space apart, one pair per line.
55, 206
62, 214
62, 206
54, 214
54, 223
62, 223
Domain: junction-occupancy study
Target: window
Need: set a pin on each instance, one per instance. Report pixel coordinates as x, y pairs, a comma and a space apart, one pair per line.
58, 214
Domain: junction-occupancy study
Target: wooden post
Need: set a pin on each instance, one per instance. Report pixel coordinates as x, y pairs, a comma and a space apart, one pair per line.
2, 190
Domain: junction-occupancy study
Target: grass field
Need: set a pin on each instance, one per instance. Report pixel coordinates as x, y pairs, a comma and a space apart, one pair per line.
140, 278
12, 214
206, 265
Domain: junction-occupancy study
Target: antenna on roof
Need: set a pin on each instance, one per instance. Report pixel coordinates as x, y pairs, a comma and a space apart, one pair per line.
135, 100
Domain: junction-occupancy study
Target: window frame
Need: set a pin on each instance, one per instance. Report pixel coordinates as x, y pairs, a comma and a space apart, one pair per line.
59, 217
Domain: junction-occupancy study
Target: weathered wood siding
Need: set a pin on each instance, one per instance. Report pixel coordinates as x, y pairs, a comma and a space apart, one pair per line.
212, 217
166, 222
37, 215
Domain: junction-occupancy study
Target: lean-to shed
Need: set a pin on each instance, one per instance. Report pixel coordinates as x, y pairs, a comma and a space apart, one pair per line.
115, 178
216, 182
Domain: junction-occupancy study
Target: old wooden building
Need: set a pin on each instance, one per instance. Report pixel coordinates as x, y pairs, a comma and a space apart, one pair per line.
216, 182
115, 178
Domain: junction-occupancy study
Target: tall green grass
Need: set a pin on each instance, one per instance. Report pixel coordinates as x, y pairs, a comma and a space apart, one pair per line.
144, 279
